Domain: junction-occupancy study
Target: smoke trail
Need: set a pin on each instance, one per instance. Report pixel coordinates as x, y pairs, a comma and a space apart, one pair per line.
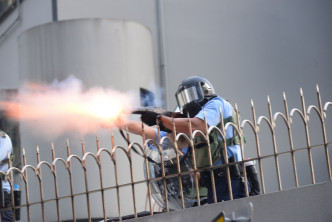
63, 107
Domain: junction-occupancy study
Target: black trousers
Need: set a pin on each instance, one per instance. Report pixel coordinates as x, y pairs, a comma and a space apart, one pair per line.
222, 191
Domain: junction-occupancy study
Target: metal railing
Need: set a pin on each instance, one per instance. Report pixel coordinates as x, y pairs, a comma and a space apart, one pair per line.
254, 126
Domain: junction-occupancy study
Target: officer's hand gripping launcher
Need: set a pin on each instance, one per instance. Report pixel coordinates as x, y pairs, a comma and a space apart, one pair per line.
149, 115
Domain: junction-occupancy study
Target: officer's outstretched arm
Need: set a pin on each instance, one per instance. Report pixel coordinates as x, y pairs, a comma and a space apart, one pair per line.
182, 124
135, 127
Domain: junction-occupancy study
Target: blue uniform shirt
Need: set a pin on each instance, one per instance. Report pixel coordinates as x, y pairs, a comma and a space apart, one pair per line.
212, 115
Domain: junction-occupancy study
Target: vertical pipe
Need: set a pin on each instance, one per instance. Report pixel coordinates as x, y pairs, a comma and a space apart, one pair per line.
291, 141
162, 49
258, 146
307, 137
55, 10
274, 143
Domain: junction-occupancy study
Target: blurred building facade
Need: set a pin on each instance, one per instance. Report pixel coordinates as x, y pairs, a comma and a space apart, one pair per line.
248, 50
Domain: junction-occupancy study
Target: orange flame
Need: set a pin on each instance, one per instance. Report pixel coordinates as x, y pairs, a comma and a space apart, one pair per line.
68, 108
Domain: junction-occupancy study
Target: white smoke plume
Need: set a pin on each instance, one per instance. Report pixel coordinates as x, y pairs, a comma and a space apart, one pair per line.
65, 107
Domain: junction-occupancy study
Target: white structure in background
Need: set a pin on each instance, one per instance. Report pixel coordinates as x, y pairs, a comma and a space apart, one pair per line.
100, 52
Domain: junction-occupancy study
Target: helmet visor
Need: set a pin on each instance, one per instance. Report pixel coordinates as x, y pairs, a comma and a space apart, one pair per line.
190, 94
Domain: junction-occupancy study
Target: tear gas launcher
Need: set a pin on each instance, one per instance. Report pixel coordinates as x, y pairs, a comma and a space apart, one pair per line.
159, 111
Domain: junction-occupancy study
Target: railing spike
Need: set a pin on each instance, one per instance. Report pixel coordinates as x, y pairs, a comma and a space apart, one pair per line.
205, 121
83, 146
112, 138
52, 150
301, 91
317, 88
38, 156
68, 147
24, 157
284, 95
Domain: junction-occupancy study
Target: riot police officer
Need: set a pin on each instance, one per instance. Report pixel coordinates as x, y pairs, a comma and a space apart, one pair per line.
196, 97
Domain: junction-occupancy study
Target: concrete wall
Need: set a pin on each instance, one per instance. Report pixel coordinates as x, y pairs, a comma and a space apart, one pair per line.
313, 203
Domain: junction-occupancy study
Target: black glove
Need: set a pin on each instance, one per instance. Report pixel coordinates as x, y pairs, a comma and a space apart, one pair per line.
149, 118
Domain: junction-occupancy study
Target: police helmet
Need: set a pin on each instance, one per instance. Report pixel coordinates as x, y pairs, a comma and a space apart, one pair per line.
194, 89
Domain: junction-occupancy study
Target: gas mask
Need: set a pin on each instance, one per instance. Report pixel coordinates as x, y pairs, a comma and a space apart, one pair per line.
192, 109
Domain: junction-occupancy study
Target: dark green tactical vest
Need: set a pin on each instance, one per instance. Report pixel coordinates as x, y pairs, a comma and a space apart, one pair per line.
216, 144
